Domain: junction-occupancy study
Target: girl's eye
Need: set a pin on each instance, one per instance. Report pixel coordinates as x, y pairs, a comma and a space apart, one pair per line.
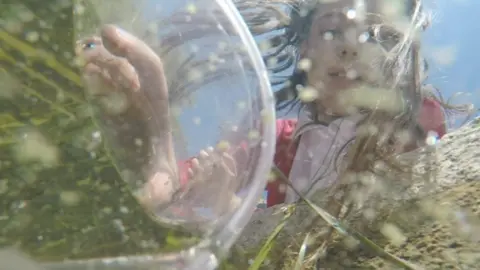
389, 40
369, 36
382, 36
329, 34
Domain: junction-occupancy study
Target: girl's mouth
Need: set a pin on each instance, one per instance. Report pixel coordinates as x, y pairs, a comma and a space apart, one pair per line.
342, 73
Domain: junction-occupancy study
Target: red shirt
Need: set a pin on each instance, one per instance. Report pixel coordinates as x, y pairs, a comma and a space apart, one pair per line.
431, 118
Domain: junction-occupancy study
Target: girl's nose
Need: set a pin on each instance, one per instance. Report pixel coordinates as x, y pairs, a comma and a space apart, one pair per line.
347, 53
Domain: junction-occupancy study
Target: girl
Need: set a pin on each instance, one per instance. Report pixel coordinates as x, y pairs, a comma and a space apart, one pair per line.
347, 55
340, 45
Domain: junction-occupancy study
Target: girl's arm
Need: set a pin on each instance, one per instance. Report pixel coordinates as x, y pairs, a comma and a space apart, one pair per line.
432, 117
283, 159
125, 65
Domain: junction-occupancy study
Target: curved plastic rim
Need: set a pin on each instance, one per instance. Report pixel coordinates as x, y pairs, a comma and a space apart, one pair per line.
205, 255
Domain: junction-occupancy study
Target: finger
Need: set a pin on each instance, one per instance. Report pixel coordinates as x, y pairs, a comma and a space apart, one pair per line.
122, 73
227, 157
190, 173
210, 150
196, 167
203, 156
229, 165
154, 91
140, 55
157, 190
209, 156
97, 82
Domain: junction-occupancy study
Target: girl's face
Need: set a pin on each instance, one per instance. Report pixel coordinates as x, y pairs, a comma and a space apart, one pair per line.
344, 51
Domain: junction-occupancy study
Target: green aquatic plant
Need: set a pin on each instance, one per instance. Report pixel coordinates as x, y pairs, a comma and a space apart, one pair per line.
61, 195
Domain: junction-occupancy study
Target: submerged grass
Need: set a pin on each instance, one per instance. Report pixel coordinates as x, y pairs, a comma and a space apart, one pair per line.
62, 196
301, 259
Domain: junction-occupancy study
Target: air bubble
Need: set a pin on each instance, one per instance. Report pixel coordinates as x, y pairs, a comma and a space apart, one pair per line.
242, 105
254, 135
69, 198
138, 142
192, 8
197, 120
352, 74
79, 9
32, 36
223, 145
265, 46
305, 64
363, 37
124, 210
394, 234
195, 75
432, 138
272, 62
272, 176
26, 15
351, 14
328, 36
308, 94
35, 147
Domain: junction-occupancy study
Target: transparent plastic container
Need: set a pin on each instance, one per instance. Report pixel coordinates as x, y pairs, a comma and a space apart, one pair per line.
83, 201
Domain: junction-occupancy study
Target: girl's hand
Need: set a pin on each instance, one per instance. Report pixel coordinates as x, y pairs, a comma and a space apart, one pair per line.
210, 183
212, 162
124, 77
212, 180
119, 63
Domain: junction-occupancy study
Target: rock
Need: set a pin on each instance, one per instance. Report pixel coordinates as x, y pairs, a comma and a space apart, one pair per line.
436, 220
